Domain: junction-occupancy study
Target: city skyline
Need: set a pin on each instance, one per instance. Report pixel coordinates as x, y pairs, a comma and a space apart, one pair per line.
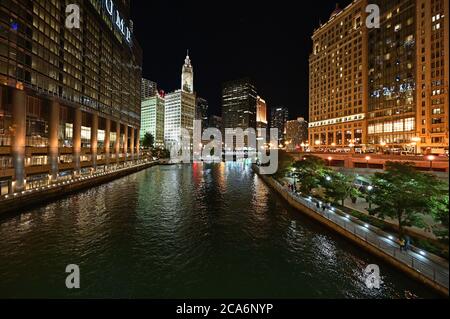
232, 44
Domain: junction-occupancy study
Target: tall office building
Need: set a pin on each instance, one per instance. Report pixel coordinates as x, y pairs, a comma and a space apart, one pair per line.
239, 104
432, 75
201, 112
382, 88
338, 79
148, 89
296, 133
278, 119
69, 97
180, 108
152, 118
261, 112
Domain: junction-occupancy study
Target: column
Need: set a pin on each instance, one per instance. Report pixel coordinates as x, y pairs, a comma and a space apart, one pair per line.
19, 118
132, 144
94, 140
125, 142
137, 144
117, 143
77, 140
53, 142
107, 141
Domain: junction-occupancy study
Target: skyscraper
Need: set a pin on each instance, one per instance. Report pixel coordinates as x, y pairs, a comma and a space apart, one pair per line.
72, 95
278, 119
338, 79
382, 88
239, 104
180, 107
261, 112
148, 89
152, 118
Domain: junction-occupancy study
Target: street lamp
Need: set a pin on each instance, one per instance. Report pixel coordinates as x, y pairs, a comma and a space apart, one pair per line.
367, 161
329, 160
431, 158
369, 198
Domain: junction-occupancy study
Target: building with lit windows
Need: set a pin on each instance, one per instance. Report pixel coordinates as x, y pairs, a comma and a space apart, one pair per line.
152, 118
239, 104
180, 108
69, 97
278, 118
148, 89
338, 80
385, 88
296, 134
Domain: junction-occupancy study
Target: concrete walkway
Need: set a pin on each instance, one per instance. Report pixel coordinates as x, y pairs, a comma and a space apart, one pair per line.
430, 266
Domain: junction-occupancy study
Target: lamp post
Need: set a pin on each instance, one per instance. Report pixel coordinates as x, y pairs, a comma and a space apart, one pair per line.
293, 170
431, 158
367, 161
369, 198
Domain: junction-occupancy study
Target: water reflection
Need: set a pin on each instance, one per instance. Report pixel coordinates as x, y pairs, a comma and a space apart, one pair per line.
207, 230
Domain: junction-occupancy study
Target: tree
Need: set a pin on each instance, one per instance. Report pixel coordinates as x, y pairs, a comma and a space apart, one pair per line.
339, 187
439, 211
148, 140
403, 193
310, 172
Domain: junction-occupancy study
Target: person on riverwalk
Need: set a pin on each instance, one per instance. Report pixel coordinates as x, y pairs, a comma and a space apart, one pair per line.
407, 243
402, 244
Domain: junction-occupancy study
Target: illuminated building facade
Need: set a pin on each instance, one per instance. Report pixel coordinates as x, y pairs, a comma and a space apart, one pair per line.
278, 118
239, 104
180, 108
69, 97
152, 118
148, 89
296, 133
382, 88
338, 80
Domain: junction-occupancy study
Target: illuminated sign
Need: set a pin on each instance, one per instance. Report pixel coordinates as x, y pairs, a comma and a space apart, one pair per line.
117, 20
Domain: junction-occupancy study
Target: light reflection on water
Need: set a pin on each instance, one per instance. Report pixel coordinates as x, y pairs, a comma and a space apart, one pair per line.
206, 230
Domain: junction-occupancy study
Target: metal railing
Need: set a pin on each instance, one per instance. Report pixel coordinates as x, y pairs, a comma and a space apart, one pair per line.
420, 263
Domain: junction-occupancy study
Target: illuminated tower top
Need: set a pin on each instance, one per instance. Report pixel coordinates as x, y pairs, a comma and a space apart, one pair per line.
187, 75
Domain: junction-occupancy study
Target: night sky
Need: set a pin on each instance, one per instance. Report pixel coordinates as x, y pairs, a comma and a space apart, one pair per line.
269, 41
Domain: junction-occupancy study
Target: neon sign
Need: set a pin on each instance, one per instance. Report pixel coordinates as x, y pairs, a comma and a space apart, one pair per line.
117, 20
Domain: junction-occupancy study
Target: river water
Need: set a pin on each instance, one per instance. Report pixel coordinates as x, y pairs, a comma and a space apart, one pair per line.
197, 231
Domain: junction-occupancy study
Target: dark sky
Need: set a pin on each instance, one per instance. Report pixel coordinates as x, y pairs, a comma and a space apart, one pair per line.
269, 41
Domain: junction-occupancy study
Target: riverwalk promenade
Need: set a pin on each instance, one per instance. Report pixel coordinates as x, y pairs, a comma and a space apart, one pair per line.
419, 264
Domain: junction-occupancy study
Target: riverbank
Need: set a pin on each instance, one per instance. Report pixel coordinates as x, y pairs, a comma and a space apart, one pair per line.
420, 265
15, 202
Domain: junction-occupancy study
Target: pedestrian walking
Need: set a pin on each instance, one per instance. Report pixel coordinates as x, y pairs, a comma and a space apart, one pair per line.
402, 244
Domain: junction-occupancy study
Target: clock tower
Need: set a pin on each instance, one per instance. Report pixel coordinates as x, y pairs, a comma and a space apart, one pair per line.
187, 76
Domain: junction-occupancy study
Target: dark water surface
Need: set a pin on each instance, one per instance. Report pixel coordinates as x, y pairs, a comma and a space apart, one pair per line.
206, 230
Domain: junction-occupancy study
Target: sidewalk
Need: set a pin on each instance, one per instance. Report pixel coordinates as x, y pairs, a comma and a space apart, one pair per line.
423, 264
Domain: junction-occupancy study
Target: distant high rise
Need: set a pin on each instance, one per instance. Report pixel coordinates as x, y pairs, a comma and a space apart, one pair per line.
179, 113
180, 107
239, 104
278, 119
152, 118
216, 122
187, 76
296, 133
261, 111
201, 112
148, 89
